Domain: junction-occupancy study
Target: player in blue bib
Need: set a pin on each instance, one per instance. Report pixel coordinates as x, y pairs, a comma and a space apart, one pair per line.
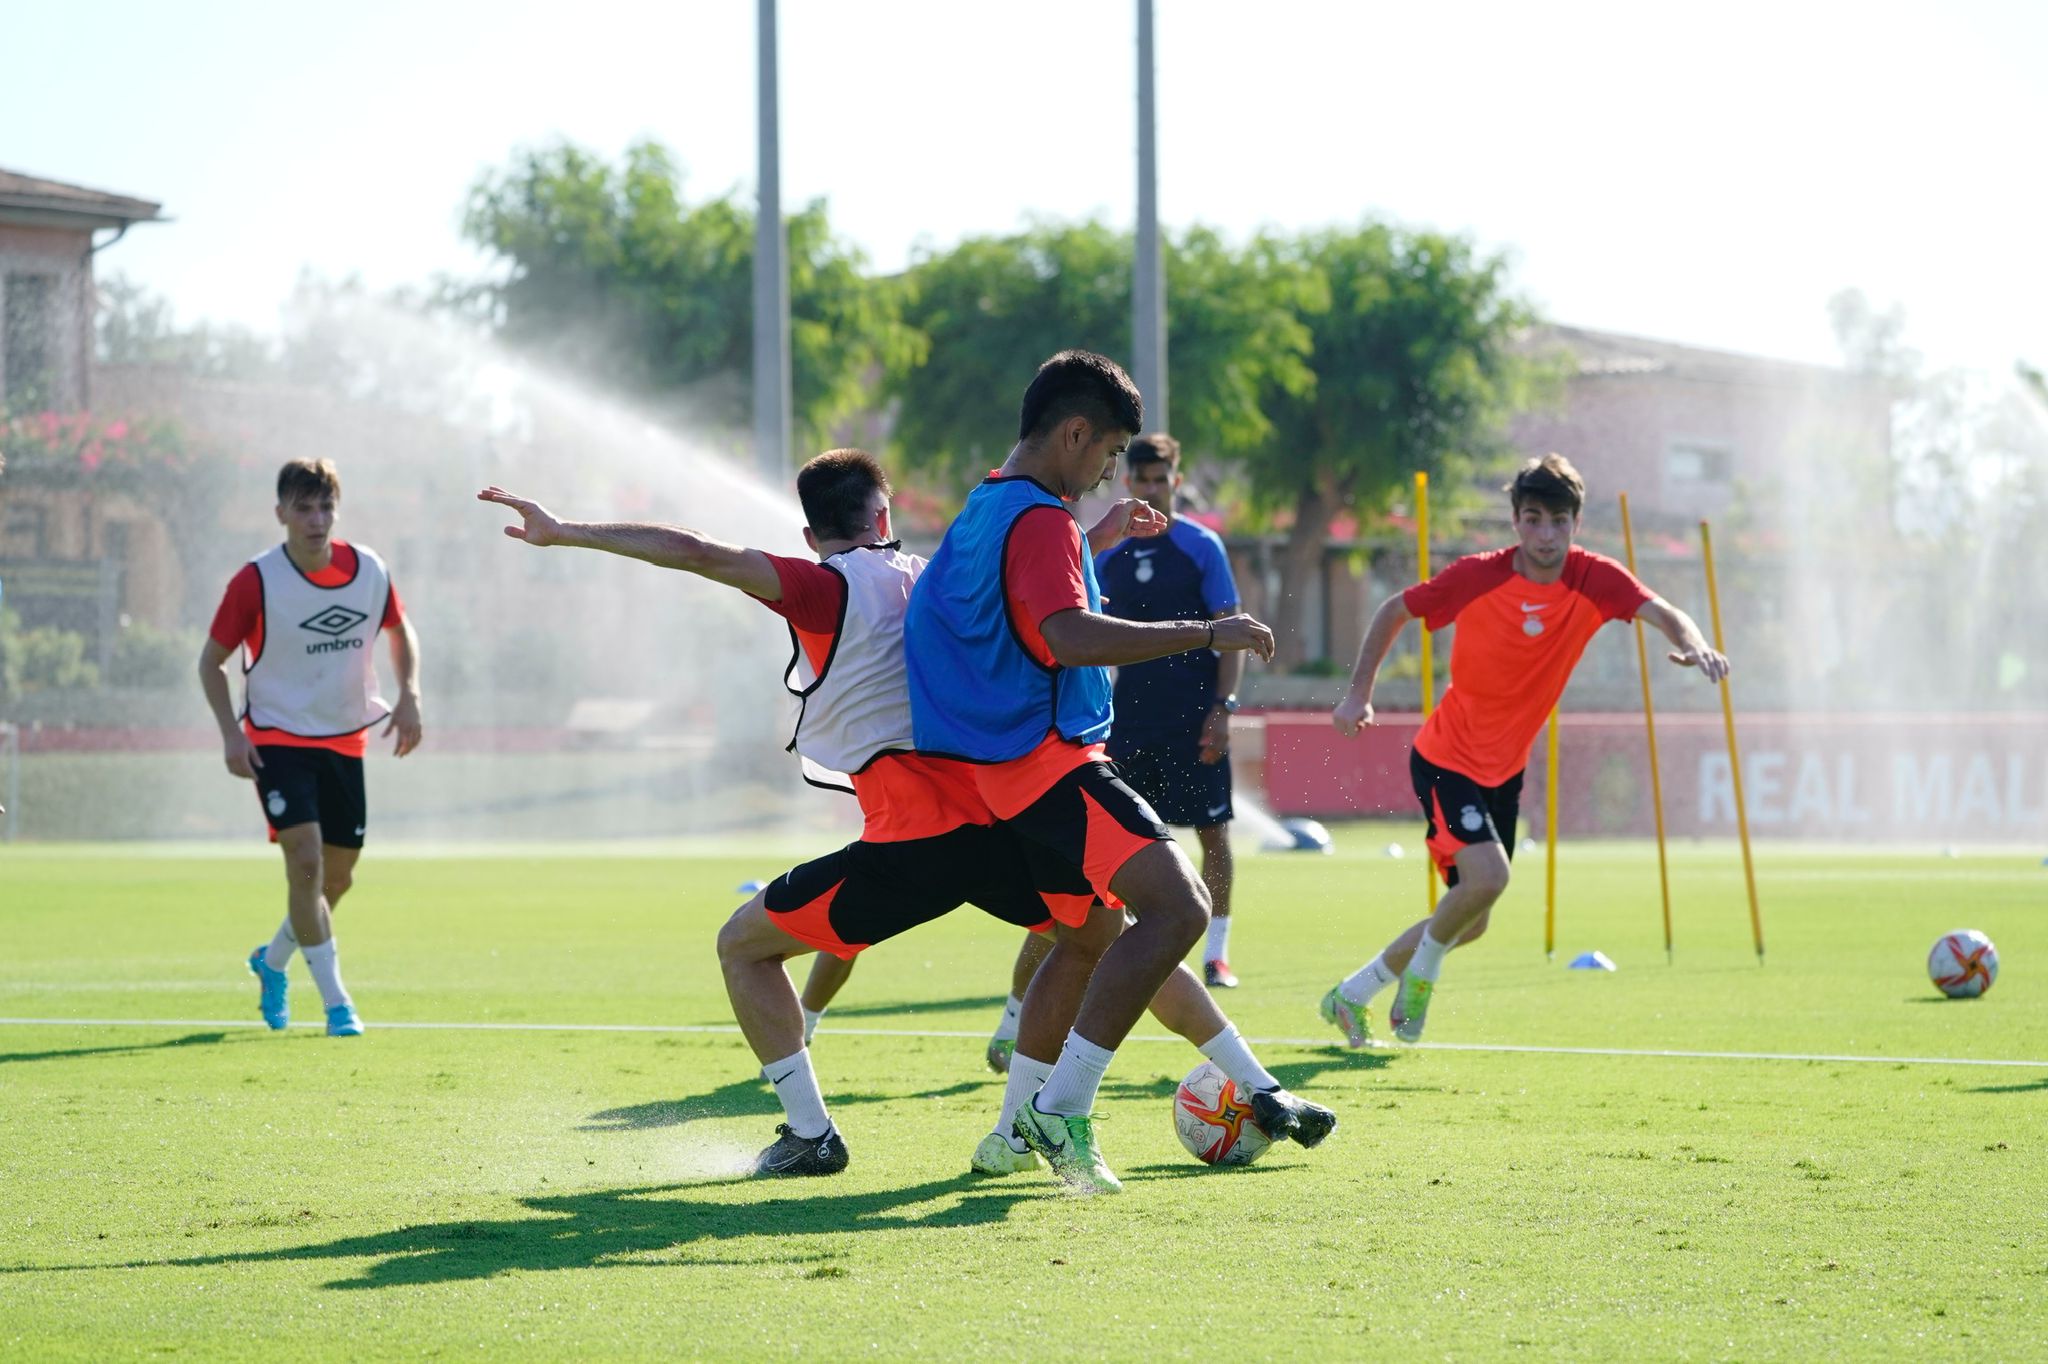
1171, 741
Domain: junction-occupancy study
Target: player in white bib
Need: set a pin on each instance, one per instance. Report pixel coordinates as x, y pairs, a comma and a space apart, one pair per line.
304, 615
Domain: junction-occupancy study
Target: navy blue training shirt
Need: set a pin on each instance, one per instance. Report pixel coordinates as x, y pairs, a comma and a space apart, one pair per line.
1181, 575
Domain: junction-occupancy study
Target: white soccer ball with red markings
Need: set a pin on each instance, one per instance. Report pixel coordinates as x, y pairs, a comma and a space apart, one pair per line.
1963, 964
1213, 1122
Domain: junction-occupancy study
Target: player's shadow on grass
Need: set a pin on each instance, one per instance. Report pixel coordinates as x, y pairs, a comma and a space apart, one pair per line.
745, 1098
929, 1006
197, 1039
651, 1225
2031, 1087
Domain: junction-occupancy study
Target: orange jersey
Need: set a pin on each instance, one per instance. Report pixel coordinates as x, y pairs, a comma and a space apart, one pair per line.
1515, 649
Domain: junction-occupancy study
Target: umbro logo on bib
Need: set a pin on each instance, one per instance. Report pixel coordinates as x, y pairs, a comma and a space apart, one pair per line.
335, 620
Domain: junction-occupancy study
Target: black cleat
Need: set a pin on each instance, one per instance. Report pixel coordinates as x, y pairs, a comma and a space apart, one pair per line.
795, 1155
1282, 1115
1217, 975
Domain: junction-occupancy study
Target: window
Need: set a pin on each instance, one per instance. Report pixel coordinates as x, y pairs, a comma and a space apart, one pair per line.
28, 346
1698, 462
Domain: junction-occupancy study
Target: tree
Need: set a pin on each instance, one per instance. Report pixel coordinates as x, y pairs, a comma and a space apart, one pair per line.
993, 308
1415, 368
611, 272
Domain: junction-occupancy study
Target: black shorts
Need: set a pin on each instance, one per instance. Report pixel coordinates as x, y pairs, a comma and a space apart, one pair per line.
1462, 813
313, 785
1166, 768
1090, 824
866, 893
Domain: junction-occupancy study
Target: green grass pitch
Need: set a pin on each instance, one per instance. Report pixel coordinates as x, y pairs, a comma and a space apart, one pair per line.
202, 1191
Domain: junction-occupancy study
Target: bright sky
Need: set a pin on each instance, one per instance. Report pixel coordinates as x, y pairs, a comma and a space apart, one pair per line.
1708, 174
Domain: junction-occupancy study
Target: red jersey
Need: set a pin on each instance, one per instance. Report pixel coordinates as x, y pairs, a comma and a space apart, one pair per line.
902, 795
1515, 649
238, 624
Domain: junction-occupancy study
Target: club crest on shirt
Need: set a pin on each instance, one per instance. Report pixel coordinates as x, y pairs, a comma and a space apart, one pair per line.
1532, 626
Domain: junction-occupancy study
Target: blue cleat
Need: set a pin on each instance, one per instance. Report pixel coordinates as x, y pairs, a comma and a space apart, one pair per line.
271, 1004
342, 1021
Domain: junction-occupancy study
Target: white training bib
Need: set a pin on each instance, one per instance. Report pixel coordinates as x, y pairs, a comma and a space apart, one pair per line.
858, 705
316, 676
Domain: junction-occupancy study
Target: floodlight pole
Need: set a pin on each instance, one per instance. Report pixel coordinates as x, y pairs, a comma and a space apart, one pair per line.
1148, 282
771, 275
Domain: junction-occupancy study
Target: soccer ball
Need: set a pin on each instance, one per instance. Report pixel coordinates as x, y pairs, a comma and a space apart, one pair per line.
1213, 1122
1963, 964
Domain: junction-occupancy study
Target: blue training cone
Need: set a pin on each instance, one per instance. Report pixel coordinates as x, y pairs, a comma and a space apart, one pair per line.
749, 887
1592, 961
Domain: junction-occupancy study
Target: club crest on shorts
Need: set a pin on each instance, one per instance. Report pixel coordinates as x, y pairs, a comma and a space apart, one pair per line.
274, 802
1472, 819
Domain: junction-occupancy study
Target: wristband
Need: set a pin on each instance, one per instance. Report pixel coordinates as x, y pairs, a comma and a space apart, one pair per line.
1212, 635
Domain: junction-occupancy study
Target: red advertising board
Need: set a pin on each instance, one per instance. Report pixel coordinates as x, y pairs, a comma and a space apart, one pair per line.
1948, 778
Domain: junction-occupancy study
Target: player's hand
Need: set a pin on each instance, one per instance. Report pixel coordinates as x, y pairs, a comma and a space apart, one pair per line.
1215, 735
1351, 715
405, 722
1128, 517
241, 756
1713, 665
1241, 632
539, 526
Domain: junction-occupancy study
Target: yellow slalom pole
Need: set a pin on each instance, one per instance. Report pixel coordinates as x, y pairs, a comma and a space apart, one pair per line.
1428, 657
1628, 539
1550, 840
1756, 918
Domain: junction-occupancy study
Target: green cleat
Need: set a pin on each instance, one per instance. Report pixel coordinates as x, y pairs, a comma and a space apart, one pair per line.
995, 1156
1000, 1050
1348, 1018
1411, 1007
1068, 1144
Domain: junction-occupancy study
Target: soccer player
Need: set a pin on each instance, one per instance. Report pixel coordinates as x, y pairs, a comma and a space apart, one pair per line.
1524, 616
928, 842
1009, 653
304, 614
1171, 742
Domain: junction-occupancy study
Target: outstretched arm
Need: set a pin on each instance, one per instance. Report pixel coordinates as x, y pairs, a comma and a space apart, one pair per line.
1689, 646
1355, 710
663, 546
1080, 639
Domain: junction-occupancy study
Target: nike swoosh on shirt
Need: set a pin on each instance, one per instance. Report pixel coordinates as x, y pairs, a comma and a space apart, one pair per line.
1545, 606
1143, 553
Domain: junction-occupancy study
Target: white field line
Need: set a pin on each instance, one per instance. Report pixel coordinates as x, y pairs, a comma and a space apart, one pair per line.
728, 1028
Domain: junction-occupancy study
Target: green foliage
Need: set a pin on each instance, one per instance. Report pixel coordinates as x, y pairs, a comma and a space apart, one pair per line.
144, 656
1415, 368
43, 659
132, 326
993, 308
612, 271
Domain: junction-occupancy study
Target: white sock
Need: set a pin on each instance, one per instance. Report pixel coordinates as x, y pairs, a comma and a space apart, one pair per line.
1429, 957
796, 1084
1229, 1050
1070, 1089
325, 965
1368, 980
1219, 938
1006, 1031
811, 1017
1026, 1078
278, 955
